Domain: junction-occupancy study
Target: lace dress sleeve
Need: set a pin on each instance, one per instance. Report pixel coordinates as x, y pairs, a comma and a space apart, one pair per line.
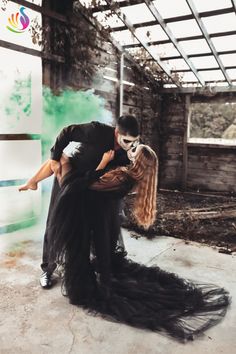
118, 186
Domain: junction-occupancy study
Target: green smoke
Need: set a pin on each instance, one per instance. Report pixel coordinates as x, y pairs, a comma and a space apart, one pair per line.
69, 107
16, 104
20, 99
20, 115
18, 110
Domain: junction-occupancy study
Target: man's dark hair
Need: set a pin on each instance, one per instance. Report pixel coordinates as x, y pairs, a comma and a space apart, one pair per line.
128, 125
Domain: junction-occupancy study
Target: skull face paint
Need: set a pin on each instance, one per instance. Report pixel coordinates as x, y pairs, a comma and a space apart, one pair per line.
133, 152
127, 141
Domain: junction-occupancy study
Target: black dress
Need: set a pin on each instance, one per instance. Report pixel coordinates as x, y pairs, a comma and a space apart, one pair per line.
113, 285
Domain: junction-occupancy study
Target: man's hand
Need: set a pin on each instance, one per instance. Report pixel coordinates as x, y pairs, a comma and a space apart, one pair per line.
56, 167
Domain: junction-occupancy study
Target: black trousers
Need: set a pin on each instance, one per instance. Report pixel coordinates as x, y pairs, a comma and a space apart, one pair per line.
103, 241
48, 264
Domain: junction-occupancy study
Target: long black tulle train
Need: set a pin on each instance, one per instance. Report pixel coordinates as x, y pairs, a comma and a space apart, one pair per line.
146, 297
140, 296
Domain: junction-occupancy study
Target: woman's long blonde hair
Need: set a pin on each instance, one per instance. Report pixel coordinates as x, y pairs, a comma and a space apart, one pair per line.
144, 172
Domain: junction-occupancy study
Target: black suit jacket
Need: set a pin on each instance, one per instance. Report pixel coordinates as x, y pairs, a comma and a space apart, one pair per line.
95, 138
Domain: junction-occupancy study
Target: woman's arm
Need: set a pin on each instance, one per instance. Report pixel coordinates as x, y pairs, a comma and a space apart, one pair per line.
73, 181
115, 183
112, 180
104, 184
106, 158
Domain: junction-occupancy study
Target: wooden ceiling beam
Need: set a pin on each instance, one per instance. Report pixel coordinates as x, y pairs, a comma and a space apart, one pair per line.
143, 44
168, 32
224, 52
202, 69
178, 18
207, 38
182, 39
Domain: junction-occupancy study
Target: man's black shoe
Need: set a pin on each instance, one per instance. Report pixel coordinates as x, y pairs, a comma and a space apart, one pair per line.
46, 280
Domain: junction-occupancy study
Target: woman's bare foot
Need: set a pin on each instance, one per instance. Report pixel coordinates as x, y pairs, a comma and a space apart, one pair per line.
28, 185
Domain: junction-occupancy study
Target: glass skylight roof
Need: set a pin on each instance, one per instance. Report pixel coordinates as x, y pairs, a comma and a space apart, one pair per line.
208, 5
138, 13
112, 20
228, 59
220, 23
232, 73
196, 47
189, 77
225, 43
166, 8
212, 75
205, 62
124, 37
178, 64
164, 50
184, 28
151, 33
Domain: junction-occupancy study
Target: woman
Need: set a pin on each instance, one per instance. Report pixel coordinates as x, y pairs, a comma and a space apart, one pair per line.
137, 173
107, 282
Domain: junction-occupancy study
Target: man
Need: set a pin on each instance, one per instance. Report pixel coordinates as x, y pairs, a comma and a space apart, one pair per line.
95, 138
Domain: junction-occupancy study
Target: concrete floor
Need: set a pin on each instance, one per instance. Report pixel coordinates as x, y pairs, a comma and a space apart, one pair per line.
37, 321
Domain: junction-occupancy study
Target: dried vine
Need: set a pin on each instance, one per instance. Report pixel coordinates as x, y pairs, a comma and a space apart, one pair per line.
77, 41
